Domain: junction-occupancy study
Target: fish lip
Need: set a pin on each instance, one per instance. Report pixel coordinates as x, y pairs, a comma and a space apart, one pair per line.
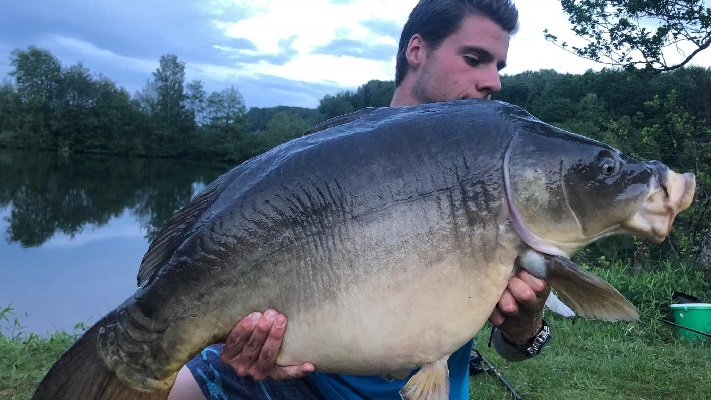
674, 194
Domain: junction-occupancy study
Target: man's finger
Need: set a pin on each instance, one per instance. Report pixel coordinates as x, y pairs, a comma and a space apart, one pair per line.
291, 372
243, 361
496, 318
239, 335
507, 303
266, 361
539, 286
521, 291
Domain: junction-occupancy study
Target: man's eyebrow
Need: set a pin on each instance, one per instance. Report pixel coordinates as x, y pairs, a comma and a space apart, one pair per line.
484, 55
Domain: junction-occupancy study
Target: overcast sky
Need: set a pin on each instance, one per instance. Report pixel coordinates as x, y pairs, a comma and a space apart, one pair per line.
276, 52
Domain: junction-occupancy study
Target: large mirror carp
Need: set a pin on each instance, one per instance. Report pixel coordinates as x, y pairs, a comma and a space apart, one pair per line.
386, 239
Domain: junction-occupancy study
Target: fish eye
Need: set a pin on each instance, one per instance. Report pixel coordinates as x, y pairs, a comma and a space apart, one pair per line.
607, 163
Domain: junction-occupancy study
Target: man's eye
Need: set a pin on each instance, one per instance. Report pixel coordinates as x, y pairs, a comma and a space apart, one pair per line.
472, 60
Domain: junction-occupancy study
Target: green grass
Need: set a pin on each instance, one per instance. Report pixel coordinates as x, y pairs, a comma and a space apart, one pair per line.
595, 360
648, 359
23, 362
25, 358
584, 359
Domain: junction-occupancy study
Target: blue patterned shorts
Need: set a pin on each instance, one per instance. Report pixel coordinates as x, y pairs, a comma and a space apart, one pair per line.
219, 382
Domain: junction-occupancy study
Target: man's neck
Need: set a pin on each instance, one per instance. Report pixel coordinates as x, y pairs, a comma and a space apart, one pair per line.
403, 95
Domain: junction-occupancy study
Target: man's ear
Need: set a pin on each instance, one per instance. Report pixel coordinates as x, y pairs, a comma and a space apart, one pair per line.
416, 51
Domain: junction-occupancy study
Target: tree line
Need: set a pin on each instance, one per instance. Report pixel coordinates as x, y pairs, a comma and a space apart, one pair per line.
45, 105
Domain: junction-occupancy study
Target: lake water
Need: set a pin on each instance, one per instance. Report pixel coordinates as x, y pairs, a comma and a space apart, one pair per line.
75, 229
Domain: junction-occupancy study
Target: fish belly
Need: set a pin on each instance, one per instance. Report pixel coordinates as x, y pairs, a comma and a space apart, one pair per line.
398, 323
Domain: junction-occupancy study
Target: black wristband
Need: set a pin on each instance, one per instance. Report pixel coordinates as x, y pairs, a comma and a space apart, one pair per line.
535, 344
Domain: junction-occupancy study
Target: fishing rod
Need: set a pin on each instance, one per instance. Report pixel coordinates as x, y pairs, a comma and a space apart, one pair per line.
678, 326
665, 321
475, 366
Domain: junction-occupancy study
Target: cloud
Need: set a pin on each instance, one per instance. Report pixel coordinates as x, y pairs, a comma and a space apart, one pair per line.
262, 89
250, 54
238, 44
384, 28
87, 50
307, 28
348, 47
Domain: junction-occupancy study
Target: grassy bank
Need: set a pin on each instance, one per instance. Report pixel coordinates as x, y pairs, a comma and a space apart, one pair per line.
647, 359
592, 360
23, 362
584, 359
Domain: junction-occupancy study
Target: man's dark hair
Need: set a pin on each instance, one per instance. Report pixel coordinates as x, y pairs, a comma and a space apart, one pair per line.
435, 20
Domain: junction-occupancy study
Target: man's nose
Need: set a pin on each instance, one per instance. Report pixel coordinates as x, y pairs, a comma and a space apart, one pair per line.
490, 81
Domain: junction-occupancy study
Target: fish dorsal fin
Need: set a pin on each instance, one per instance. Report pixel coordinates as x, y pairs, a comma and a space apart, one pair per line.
340, 120
587, 294
173, 234
431, 382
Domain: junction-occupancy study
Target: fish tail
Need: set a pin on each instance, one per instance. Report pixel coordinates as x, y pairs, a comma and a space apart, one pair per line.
81, 373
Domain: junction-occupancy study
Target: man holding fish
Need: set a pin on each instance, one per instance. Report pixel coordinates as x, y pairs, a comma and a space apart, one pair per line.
449, 49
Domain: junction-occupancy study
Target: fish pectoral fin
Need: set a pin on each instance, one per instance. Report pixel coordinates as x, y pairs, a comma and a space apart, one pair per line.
554, 304
587, 294
431, 382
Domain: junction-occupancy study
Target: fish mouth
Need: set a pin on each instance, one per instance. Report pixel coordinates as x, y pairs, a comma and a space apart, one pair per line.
672, 196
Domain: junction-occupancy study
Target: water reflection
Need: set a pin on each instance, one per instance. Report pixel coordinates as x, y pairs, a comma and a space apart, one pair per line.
48, 193
76, 229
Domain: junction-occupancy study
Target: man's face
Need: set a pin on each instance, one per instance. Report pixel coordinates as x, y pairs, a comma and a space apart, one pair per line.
466, 65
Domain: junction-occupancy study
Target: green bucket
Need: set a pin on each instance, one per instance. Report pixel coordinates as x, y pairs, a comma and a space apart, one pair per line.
696, 316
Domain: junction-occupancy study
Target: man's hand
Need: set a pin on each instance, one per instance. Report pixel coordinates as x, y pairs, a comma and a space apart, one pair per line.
519, 313
251, 348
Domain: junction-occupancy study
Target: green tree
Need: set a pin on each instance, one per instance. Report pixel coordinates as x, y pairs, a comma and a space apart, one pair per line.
38, 76
225, 108
638, 33
375, 93
123, 127
259, 117
73, 123
9, 113
169, 81
164, 99
282, 127
334, 105
226, 118
196, 101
